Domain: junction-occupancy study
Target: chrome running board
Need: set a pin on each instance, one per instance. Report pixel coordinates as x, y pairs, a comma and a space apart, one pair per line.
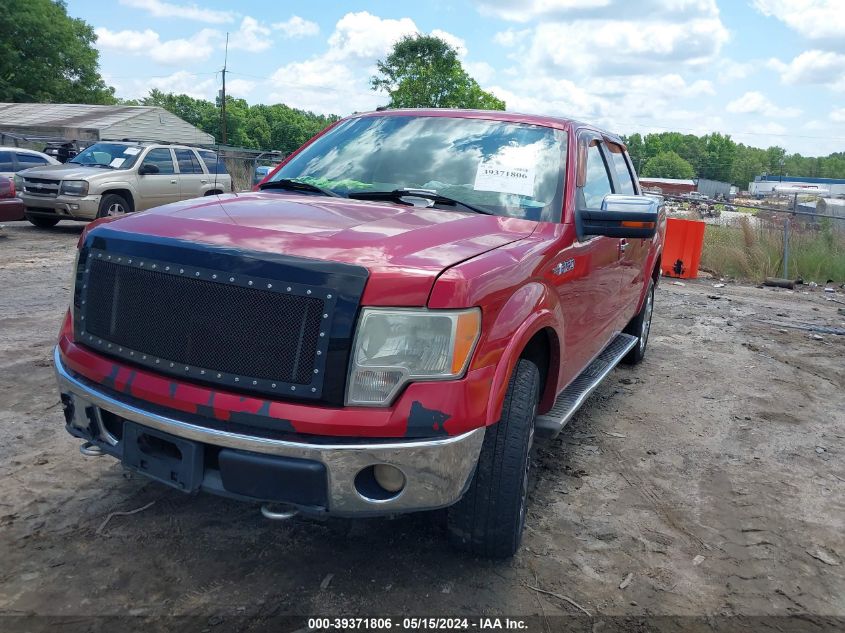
570, 399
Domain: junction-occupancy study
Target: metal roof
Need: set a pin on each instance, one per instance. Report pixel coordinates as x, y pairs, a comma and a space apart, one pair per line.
75, 115
668, 181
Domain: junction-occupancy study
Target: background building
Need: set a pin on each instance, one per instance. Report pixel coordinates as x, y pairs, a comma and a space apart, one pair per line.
770, 184
93, 123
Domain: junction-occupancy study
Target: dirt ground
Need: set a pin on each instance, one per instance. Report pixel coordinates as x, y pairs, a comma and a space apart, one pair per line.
712, 473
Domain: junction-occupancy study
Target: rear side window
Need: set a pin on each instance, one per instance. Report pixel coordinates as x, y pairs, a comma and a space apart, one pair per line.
7, 163
597, 183
623, 174
25, 161
188, 162
162, 159
214, 166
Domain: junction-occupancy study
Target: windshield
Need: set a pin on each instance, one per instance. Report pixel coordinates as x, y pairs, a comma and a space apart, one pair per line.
108, 155
505, 168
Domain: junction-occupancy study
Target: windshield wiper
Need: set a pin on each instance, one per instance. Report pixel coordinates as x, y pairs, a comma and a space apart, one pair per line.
398, 194
297, 185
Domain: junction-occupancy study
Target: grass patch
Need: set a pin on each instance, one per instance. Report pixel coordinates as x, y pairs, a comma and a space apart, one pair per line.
753, 253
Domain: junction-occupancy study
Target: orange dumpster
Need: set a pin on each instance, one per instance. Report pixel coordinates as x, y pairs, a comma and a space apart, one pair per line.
682, 248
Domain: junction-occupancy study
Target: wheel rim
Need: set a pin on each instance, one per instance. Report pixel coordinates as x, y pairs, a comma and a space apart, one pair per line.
649, 306
115, 209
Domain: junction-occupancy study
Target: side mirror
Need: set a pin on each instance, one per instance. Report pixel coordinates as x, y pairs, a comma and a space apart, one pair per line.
621, 216
148, 168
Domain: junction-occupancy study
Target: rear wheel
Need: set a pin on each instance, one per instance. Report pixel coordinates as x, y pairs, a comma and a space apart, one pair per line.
490, 518
113, 205
42, 222
640, 326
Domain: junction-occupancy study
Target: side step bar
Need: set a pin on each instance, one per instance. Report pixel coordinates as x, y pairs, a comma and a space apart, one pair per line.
570, 399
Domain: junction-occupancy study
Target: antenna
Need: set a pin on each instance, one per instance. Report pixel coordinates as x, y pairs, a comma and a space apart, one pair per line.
223, 98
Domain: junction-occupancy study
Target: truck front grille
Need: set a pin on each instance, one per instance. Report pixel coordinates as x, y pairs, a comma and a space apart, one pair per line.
205, 325
41, 187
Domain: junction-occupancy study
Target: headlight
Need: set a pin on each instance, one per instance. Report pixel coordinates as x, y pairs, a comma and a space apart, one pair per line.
74, 188
393, 347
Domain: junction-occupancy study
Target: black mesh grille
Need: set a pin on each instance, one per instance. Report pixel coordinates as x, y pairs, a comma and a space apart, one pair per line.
232, 329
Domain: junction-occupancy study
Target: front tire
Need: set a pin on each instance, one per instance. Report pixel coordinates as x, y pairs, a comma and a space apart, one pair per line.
113, 205
42, 222
640, 326
489, 520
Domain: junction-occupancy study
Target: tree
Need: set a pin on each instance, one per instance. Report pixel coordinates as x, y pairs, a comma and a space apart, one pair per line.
423, 71
668, 165
47, 56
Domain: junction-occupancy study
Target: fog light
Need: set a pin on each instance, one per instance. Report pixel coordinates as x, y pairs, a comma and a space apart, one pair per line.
389, 477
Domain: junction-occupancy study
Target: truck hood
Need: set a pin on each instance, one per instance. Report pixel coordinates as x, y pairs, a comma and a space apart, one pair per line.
404, 248
67, 171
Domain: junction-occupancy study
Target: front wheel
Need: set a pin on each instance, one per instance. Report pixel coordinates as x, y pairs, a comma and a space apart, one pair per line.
112, 205
42, 222
640, 326
489, 520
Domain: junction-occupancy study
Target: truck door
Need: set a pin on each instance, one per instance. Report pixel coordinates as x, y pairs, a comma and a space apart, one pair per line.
160, 187
587, 271
193, 181
633, 252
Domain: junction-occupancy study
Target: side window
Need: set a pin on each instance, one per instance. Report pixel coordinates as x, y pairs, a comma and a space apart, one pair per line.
597, 183
623, 174
214, 166
161, 158
188, 163
25, 161
7, 163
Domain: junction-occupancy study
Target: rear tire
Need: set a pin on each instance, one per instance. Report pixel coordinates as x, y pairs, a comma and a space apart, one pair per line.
42, 222
489, 520
113, 205
640, 326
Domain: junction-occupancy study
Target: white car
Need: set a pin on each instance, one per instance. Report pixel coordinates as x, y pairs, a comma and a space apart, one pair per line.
15, 159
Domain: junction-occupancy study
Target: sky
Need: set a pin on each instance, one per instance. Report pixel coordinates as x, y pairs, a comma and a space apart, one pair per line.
767, 72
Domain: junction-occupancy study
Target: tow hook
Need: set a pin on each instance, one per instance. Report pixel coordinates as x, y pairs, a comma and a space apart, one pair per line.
90, 449
278, 515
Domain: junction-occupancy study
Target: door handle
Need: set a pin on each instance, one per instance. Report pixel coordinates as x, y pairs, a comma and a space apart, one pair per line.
623, 245
172, 182
204, 181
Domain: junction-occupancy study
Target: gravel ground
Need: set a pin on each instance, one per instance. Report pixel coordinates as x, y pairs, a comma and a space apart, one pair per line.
710, 478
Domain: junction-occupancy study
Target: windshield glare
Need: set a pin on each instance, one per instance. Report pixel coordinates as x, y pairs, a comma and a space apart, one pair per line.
108, 155
506, 168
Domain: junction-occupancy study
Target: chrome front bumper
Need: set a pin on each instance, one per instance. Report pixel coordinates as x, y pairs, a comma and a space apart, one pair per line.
437, 471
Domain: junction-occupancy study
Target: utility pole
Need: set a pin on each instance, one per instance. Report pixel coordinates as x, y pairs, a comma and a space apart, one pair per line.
223, 93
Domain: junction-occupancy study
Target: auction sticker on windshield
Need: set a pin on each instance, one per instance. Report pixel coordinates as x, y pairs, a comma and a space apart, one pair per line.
504, 178
117, 162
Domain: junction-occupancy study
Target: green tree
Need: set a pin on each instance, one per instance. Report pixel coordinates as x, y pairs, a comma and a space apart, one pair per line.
423, 71
668, 165
47, 56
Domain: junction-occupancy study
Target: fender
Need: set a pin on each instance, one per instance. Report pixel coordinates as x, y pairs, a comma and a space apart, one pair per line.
534, 308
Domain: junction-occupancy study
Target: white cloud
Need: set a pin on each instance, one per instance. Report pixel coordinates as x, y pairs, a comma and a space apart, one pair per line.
814, 19
181, 82
813, 67
240, 87
296, 26
757, 103
161, 9
252, 36
730, 70
511, 37
482, 72
196, 48
126, 41
358, 40
613, 47
530, 10
452, 40
838, 116
365, 36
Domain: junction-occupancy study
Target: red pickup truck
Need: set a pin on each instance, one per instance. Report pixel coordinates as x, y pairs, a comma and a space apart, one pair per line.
379, 328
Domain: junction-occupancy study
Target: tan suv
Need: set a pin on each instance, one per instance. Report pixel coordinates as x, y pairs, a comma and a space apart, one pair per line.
117, 177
